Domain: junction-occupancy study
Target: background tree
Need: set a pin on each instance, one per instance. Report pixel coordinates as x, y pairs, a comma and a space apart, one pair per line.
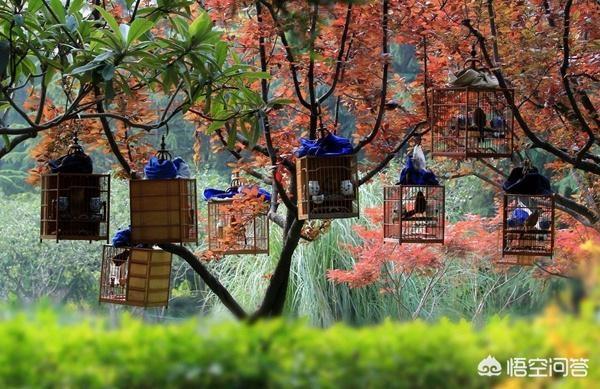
318, 61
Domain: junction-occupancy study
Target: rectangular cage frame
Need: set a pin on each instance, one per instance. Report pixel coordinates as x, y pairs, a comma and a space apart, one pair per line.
75, 206
453, 134
163, 211
429, 227
331, 173
143, 279
527, 240
223, 222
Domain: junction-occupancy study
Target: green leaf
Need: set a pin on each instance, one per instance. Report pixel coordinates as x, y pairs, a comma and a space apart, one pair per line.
75, 6
86, 68
214, 126
221, 53
200, 26
256, 75
6, 140
112, 22
138, 28
58, 9
107, 72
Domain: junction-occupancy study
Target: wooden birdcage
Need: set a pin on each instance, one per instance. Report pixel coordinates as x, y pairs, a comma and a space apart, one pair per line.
135, 276
471, 122
414, 213
75, 206
327, 187
528, 227
163, 211
237, 226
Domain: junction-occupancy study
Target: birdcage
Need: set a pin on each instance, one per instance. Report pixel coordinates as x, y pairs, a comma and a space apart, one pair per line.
528, 226
163, 211
471, 123
414, 213
327, 187
135, 276
75, 206
237, 226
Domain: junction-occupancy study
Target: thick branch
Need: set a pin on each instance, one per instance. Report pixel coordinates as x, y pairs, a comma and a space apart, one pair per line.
215, 286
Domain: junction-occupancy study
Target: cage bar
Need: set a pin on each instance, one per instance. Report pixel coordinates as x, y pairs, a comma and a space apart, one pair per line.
327, 187
471, 123
135, 276
238, 228
528, 226
414, 213
75, 206
163, 211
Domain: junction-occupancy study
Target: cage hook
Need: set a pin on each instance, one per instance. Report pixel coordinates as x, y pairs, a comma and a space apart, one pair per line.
75, 147
235, 180
163, 154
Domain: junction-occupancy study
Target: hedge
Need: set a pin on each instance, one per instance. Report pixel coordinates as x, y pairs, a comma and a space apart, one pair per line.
45, 350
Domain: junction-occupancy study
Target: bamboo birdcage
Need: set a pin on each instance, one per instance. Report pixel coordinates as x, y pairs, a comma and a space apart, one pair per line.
327, 187
454, 132
527, 227
235, 227
135, 276
414, 213
472, 121
163, 211
75, 206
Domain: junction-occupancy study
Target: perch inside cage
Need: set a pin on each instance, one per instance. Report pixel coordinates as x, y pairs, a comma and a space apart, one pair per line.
327, 187
135, 276
472, 118
75, 204
414, 214
528, 225
163, 206
238, 220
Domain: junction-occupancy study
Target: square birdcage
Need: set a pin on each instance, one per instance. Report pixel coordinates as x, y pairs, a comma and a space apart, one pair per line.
237, 226
327, 187
163, 211
471, 123
528, 226
414, 213
75, 206
135, 276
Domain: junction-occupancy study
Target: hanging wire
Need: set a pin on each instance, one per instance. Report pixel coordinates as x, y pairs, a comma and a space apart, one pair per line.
425, 77
75, 147
163, 154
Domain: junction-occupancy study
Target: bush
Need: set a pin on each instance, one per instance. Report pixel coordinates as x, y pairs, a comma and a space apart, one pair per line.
39, 350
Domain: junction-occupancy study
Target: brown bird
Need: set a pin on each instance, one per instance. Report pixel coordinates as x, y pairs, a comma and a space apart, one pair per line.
420, 206
531, 222
479, 120
121, 258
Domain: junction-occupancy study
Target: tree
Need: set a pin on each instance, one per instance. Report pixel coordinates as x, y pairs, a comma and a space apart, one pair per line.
317, 60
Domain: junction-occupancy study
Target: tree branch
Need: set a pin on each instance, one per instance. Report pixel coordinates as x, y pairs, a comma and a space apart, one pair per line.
215, 286
385, 54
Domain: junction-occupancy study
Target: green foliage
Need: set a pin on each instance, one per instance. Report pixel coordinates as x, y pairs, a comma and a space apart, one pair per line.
38, 350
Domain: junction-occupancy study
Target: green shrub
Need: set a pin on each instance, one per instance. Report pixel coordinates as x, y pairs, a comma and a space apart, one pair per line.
40, 350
